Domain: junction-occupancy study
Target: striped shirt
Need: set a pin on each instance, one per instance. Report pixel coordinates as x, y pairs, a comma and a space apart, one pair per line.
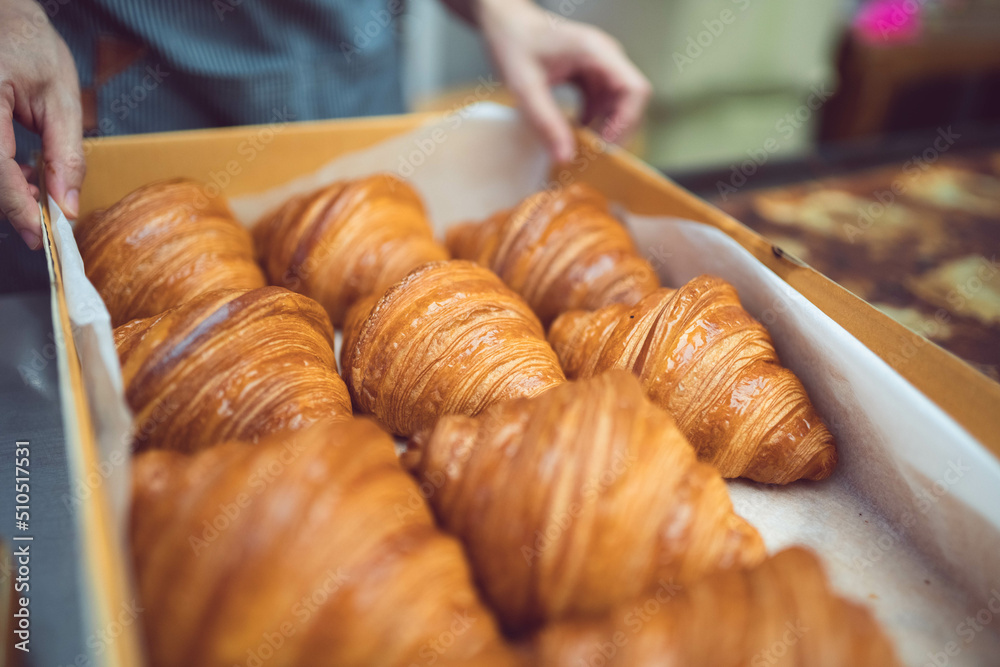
149, 66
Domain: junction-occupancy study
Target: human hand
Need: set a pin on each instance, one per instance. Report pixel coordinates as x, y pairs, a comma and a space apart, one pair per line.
39, 88
535, 49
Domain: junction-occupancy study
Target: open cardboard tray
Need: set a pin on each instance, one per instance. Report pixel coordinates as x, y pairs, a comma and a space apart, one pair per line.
248, 160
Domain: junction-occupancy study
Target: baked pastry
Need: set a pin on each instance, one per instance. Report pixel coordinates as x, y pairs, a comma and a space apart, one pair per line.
713, 367
346, 240
305, 549
780, 613
559, 250
449, 338
230, 364
577, 500
164, 244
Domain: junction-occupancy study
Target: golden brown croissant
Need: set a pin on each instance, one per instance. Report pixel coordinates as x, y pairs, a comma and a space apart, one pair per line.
576, 500
346, 240
311, 548
781, 613
560, 251
230, 364
162, 245
714, 368
449, 338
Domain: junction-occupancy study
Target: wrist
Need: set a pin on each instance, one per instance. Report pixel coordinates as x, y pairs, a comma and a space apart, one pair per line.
22, 16
507, 12
20, 6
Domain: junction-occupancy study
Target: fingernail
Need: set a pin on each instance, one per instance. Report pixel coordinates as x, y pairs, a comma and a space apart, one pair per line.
72, 203
559, 154
31, 238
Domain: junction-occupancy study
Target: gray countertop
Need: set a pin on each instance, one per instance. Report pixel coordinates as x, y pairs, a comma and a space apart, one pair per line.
30, 410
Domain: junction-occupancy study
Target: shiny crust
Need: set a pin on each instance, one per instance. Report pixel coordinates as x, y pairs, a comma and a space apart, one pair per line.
559, 250
163, 244
449, 338
230, 364
579, 499
705, 360
347, 240
317, 540
780, 613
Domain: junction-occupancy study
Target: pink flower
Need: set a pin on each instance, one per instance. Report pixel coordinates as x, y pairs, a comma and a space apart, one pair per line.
888, 21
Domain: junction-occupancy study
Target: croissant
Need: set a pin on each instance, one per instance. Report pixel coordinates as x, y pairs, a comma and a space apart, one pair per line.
576, 500
781, 613
559, 250
230, 364
711, 365
311, 548
162, 245
346, 240
449, 338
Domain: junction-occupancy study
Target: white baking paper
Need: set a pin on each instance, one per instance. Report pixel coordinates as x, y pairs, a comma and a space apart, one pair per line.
924, 558
109, 413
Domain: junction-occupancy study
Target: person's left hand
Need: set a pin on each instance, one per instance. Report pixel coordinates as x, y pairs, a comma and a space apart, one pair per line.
535, 49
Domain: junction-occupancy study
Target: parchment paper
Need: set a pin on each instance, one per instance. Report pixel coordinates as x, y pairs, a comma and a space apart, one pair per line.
909, 524
109, 413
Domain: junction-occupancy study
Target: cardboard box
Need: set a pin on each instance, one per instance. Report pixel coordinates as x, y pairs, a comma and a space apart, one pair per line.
244, 161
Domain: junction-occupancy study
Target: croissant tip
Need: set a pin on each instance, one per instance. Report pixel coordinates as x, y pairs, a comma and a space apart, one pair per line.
819, 467
412, 456
822, 465
454, 233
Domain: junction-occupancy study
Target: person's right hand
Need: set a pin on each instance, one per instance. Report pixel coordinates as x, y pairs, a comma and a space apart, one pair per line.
39, 88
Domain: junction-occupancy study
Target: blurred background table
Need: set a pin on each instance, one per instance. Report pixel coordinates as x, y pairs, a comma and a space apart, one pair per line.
919, 240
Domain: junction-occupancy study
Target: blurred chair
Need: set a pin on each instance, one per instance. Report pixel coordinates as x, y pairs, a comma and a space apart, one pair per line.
728, 75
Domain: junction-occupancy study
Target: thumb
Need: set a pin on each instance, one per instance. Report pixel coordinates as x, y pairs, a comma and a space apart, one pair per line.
62, 148
531, 88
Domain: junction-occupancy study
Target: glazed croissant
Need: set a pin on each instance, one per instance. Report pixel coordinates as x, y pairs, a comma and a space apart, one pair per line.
449, 338
162, 245
577, 500
346, 240
230, 364
711, 365
312, 548
781, 613
560, 251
